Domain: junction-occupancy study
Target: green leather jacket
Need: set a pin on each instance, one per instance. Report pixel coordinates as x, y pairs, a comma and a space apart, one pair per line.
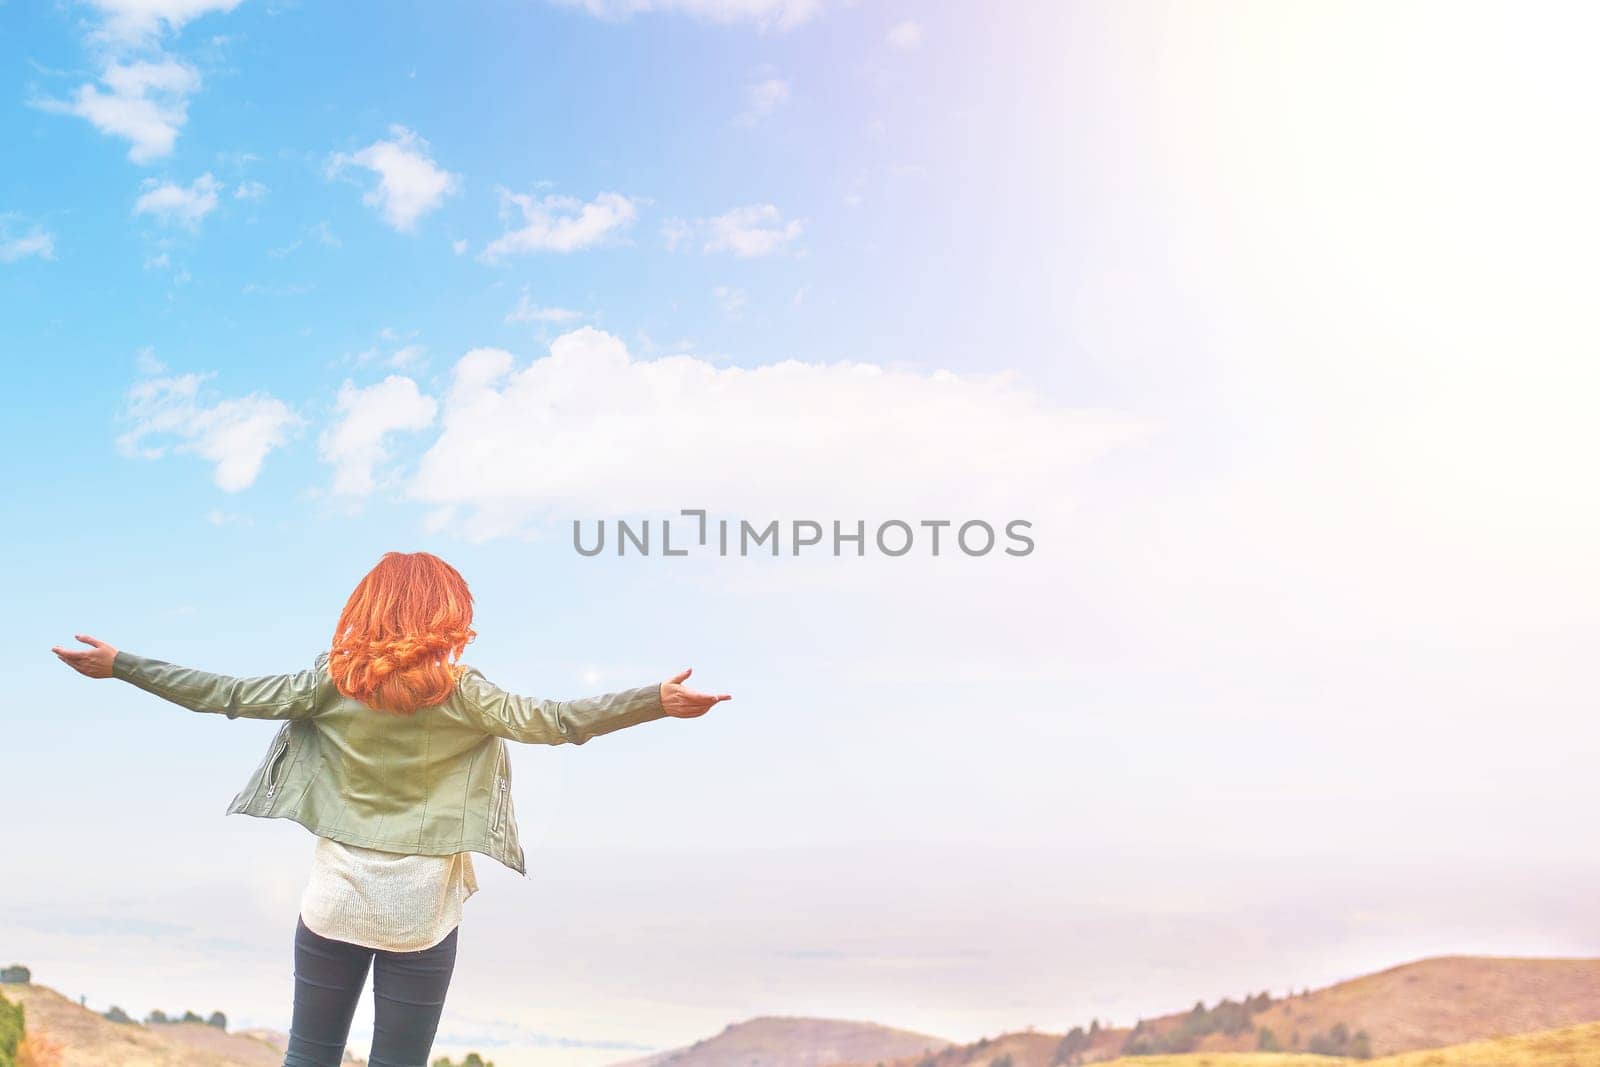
434, 783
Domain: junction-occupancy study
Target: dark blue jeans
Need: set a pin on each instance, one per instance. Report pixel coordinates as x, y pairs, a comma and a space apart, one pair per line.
408, 991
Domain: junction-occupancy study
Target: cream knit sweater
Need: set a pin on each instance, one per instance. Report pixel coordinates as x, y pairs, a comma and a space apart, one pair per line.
385, 900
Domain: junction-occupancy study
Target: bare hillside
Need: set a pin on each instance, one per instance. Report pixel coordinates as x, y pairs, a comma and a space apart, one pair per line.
89, 1040
1449, 1000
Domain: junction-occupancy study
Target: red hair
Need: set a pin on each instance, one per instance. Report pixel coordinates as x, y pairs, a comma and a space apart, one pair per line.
399, 632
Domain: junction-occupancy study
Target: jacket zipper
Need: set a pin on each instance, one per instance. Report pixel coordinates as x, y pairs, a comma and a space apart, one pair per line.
272, 768
500, 785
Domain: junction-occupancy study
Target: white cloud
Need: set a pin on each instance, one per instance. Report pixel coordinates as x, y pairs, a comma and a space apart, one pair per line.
34, 242
175, 205
354, 445
753, 230
326, 236
249, 191
138, 22
762, 99
410, 183
764, 14
527, 311
263, 289
748, 231
408, 356
147, 362
559, 223
905, 35
674, 232
320, 233
459, 247
145, 102
234, 433
589, 430
729, 299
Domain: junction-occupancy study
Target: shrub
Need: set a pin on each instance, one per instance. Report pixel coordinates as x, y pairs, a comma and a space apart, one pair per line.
12, 1024
1267, 1041
116, 1015
36, 1050
1339, 1042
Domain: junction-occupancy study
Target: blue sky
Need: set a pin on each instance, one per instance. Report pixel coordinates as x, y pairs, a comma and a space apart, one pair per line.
1288, 369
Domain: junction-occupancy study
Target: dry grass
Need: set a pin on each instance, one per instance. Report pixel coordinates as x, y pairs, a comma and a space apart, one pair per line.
1571, 1046
1235, 1059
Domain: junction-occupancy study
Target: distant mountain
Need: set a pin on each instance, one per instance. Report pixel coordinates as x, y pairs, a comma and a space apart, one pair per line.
794, 1041
88, 1039
280, 1044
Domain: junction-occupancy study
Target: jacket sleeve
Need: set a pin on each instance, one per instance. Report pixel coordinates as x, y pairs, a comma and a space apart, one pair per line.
270, 696
533, 721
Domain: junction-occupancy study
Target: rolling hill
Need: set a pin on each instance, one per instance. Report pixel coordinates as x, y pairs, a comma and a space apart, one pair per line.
1429, 1004
1455, 1011
89, 1040
1448, 1000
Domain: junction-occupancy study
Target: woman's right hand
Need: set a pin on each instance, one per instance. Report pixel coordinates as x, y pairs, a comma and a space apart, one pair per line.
95, 662
686, 703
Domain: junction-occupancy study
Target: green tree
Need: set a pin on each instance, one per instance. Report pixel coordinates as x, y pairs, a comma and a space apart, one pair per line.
1267, 1041
1070, 1051
116, 1015
219, 1020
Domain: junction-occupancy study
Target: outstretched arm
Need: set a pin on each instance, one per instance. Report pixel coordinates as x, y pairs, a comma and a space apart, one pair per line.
270, 696
532, 720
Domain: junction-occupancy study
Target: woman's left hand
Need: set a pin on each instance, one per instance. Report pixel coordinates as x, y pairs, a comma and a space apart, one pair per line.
686, 703
94, 662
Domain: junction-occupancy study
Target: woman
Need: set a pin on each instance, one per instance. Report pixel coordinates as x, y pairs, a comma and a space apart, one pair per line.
394, 754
